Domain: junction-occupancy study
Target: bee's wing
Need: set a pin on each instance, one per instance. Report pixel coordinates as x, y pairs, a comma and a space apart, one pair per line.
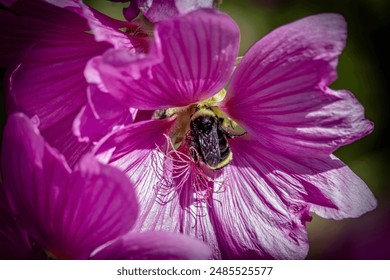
209, 146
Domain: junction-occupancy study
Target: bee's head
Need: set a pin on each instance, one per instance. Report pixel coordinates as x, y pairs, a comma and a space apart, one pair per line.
203, 120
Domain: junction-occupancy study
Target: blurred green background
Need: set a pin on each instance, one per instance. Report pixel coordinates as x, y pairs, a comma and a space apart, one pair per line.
364, 70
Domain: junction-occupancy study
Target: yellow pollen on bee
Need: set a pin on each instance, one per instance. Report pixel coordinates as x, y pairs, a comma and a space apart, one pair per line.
183, 117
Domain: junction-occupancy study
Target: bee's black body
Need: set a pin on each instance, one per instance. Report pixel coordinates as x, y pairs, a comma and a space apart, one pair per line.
209, 139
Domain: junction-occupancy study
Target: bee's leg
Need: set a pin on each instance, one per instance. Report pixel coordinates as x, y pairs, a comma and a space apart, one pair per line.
194, 155
193, 148
228, 134
233, 136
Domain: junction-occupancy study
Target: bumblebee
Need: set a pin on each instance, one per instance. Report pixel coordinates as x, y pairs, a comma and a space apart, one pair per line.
209, 138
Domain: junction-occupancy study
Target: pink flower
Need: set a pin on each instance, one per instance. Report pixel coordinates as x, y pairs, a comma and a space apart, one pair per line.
285, 119
72, 214
46, 45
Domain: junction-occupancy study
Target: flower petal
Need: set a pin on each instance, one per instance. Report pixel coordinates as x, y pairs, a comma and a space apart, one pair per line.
100, 116
52, 64
251, 219
28, 21
158, 10
168, 201
154, 245
142, 138
330, 188
14, 242
47, 80
183, 66
279, 90
135, 150
277, 192
68, 214
106, 207
328, 179
57, 67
